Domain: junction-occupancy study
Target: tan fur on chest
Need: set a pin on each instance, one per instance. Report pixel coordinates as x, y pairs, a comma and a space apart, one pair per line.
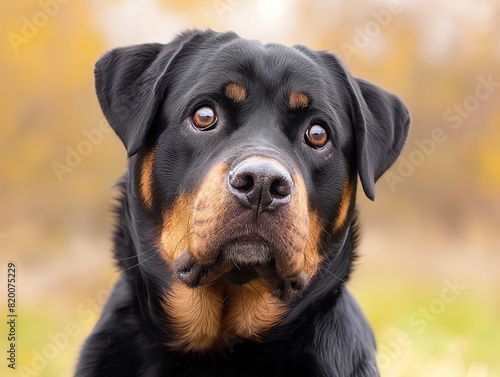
203, 318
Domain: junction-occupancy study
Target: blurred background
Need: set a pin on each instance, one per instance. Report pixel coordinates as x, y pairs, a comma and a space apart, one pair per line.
428, 277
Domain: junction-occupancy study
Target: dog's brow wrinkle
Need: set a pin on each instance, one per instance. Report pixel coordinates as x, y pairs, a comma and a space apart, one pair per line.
235, 92
298, 100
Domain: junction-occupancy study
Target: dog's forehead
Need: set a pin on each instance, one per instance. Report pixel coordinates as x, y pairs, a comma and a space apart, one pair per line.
249, 62
275, 77
264, 60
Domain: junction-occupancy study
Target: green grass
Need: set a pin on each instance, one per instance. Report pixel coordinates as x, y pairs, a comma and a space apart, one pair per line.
462, 341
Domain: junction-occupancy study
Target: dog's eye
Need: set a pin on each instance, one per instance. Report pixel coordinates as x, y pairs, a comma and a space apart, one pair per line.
204, 118
316, 136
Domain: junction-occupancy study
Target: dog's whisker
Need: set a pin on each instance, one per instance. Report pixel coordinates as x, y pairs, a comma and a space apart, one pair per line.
137, 255
139, 263
345, 281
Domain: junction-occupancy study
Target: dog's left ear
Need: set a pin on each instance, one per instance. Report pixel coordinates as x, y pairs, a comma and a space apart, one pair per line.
381, 123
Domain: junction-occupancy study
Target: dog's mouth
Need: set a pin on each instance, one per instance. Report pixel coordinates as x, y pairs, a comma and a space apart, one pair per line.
239, 263
194, 274
240, 276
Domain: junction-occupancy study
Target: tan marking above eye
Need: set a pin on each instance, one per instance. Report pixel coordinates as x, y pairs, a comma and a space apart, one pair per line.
235, 92
298, 100
316, 136
204, 118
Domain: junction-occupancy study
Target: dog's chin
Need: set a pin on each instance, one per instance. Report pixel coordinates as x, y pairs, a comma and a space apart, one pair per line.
240, 263
248, 252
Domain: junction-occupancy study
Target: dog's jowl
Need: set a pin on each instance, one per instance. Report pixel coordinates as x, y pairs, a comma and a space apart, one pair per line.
236, 228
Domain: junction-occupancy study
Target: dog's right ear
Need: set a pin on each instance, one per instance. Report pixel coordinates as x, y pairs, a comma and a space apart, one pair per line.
131, 83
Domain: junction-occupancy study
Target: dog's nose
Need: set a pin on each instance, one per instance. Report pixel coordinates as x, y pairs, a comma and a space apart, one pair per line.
260, 183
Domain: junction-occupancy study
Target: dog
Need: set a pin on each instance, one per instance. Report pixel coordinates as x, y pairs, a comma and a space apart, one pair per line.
236, 225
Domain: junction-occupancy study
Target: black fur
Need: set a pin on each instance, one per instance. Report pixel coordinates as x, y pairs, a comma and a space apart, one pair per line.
146, 92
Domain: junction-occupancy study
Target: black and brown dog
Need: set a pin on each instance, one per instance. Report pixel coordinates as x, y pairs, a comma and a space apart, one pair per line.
237, 224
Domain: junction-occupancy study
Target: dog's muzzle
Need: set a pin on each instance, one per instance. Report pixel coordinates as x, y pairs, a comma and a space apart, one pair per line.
250, 221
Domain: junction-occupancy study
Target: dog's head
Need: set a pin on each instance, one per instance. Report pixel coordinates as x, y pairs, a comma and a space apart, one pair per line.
245, 156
